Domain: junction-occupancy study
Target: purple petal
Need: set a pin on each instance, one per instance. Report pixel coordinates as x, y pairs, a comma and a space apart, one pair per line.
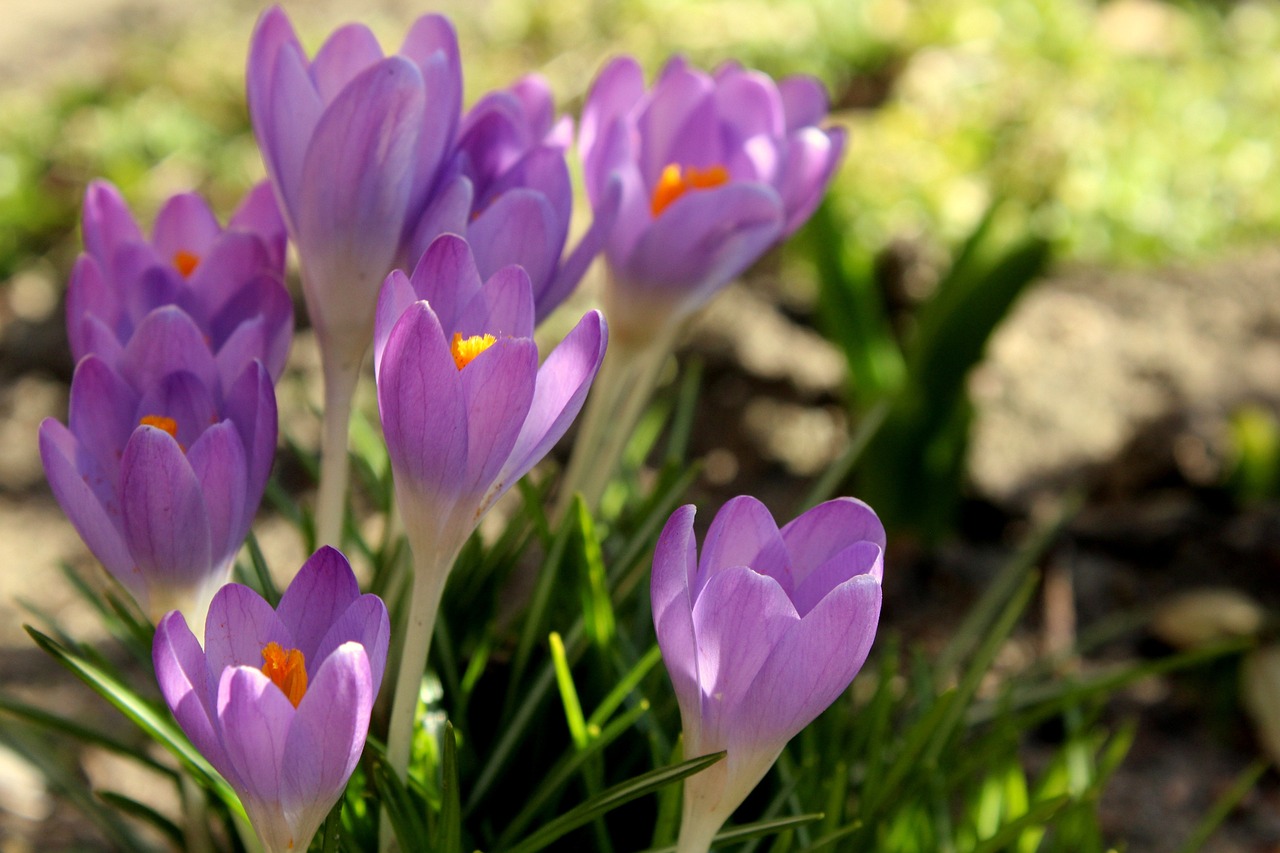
447, 278
326, 739
616, 91
251, 406
561, 388
860, 558
503, 307
537, 103
97, 340
812, 156
738, 618
106, 222
239, 625
264, 306
166, 520
259, 214
102, 414
824, 531
424, 419
743, 533
579, 260
77, 489
498, 386
811, 665
350, 50
167, 341
218, 460
319, 594
679, 124
365, 622
88, 295
706, 238
184, 399
432, 45
395, 297
183, 676
804, 101
750, 105
255, 716
229, 262
675, 558
185, 223
448, 212
520, 227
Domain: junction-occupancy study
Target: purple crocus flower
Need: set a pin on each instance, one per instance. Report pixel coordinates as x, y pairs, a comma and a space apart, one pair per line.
163, 461
511, 194
466, 410
230, 282
712, 169
279, 700
353, 142
760, 635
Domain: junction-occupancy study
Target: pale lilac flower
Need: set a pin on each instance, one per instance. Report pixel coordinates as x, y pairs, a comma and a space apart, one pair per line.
279, 700
511, 195
712, 169
163, 462
760, 635
229, 281
353, 142
466, 409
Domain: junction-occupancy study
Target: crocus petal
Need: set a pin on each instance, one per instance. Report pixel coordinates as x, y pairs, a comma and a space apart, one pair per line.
447, 277
804, 101
165, 518
617, 89
812, 156
738, 618
675, 559
185, 222
167, 341
325, 739
185, 399
811, 665
88, 296
365, 622
447, 212
520, 227
579, 260
432, 44
259, 213
321, 592
561, 388
348, 51
254, 716
240, 624
251, 406
231, 260
106, 221
77, 489
503, 307
498, 387
424, 417
395, 297
860, 558
218, 461
184, 682
827, 529
102, 409
679, 124
743, 533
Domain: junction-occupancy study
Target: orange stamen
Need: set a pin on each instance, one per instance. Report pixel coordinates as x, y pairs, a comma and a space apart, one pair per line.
466, 349
287, 670
169, 425
186, 262
675, 182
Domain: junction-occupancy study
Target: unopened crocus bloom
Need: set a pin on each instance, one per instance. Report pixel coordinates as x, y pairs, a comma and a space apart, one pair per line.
760, 635
229, 281
163, 463
713, 170
466, 412
279, 700
353, 142
511, 195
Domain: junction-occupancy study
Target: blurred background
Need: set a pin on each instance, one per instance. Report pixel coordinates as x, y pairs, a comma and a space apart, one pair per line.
1047, 276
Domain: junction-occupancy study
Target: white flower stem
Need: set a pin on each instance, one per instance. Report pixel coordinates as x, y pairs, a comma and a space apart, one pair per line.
341, 375
430, 571
618, 398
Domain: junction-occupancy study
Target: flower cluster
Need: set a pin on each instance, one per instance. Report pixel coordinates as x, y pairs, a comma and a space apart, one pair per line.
439, 237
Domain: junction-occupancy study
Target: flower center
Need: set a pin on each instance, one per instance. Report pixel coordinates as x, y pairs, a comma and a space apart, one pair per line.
287, 670
466, 349
186, 262
675, 182
169, 425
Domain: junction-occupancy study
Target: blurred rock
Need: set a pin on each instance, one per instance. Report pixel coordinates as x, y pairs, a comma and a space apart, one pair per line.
1200, 617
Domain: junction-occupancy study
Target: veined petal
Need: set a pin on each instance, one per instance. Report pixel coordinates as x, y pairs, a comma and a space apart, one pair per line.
860, 558
185, 223
348, 51
184, 399
520, 227
432, 45
827, 529
166, 520
811, 665
675, 560
498, 387
88, 296
503, 307
326, 739
317, 596
167, 341
617, 90
561, 388
447, 277
102, 413
218, 460
251, 406
395, 297
184, 682
448, 212
106, 221
254, 716
743, 533
239, 626
365, 621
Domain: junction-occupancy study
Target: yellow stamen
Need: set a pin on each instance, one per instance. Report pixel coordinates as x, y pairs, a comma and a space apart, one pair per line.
466, 349
169, 425
675, 182
186, 262
287, 670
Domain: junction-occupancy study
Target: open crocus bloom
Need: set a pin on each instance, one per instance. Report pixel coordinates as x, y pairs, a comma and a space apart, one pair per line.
512, 196
466, 410
712, 170
353, 143
279, 700
230, 282
162, 464
760, 635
